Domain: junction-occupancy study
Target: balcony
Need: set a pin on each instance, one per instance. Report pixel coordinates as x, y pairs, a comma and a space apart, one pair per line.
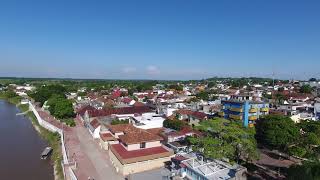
253, 118
253, 110
235, 117
264, 109
221, 114
236, 109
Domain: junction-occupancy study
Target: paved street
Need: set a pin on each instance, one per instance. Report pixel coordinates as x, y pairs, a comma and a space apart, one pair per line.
91, 160
96, 155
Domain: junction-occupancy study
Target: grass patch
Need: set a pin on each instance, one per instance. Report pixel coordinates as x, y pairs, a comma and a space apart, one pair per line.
2, 95
15, 100
24, 107
11, 99
54, 141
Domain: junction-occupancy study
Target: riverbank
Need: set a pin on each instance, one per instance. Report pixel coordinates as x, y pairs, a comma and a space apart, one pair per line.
13, 100
53, 139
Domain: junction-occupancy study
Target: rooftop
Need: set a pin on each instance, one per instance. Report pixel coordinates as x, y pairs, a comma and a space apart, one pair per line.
133, 135
107, 112
238, 101
107, 137
126, 157
211, 169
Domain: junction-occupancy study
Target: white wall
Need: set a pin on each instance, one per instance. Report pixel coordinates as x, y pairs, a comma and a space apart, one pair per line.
52, 128
96, 132
132, 147
153, 144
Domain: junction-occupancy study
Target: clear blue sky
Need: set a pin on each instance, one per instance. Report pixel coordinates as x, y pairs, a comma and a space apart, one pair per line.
160, 39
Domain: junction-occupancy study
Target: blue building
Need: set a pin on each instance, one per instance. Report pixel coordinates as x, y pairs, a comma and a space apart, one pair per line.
246, 111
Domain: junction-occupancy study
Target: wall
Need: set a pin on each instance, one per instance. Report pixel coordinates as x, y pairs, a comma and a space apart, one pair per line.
153, 144
132, 147
52, 128
116, 135
138, 166
96, 133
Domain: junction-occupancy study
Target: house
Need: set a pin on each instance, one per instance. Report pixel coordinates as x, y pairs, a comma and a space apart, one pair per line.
173, 136
89, 112
127, 101
138, 150
106, 139
94, 128
195, 166
192, 117
302, 117
294, 108
148, 121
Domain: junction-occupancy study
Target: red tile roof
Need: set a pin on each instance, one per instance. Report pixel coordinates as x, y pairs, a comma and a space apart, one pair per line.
126, 100
138, 104
184, 131
107, 136
196, 114
137, 153
199, 115
116, 93
82, 110
95, 123
123, 110
133, 135
155, 130
184, 111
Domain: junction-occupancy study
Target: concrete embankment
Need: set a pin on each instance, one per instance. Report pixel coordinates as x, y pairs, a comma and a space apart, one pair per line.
66, 168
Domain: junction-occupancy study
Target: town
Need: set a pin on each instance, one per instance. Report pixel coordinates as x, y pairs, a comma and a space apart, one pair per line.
215, 128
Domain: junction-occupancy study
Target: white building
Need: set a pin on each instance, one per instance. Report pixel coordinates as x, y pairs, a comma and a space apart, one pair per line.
148, 121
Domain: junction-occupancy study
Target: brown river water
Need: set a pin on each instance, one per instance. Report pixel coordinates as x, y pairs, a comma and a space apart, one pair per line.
20, 147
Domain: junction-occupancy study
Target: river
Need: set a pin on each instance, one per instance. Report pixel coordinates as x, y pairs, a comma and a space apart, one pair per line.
21, 147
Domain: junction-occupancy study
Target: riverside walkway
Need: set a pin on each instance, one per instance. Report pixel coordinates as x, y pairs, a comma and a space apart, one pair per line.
91, 160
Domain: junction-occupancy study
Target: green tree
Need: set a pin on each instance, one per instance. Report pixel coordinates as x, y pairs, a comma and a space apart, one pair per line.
203, 95
226, 139
175, 87
297, 151
305, 89
63, 109
117, 121
10, 94
211, 84
277, 131
310, 126
43, 93
280, 98
306, 171
82, 94
312, 79
173, 124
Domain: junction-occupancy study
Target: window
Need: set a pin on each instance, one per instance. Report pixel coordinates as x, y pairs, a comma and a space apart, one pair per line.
143, 145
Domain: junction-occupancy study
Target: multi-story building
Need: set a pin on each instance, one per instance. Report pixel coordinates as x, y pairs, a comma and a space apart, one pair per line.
246, 111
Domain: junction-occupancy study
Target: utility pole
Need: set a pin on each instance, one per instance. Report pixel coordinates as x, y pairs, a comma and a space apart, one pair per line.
273, 78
